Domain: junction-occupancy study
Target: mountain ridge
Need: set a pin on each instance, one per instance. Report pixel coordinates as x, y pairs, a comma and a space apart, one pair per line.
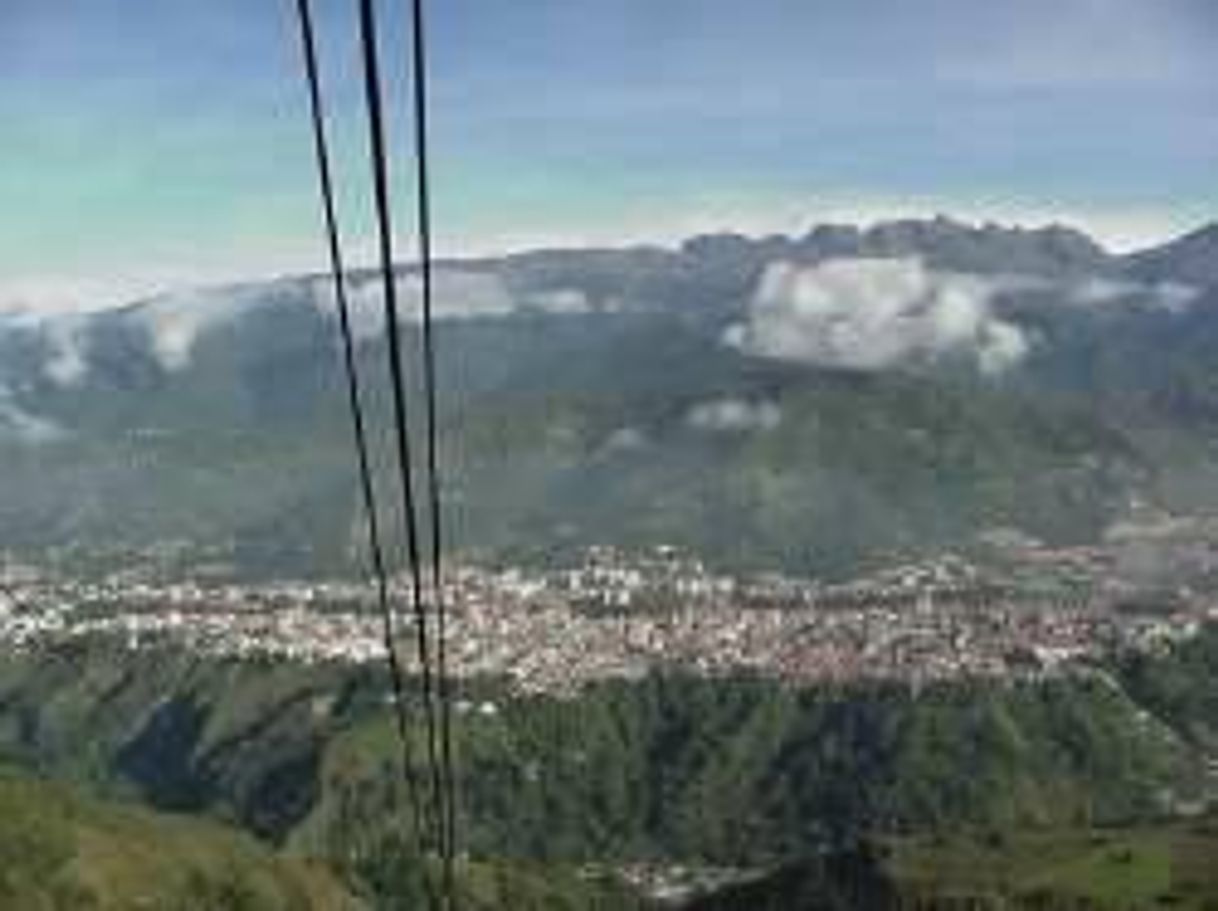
1058, 241
641, 396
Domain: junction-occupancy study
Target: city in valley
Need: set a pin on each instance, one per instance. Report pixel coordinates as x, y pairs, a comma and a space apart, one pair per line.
621, 614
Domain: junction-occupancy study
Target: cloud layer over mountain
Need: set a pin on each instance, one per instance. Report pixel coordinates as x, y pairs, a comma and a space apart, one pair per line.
891, 295
870, 314
456, 294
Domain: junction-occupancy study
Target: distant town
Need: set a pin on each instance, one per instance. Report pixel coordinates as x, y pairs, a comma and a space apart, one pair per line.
619, 614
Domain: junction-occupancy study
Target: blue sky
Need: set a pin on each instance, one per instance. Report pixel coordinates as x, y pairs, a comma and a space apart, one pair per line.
144, 145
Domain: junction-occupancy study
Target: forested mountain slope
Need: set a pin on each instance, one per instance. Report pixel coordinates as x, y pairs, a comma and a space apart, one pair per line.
731, 772
805, 402
60, 850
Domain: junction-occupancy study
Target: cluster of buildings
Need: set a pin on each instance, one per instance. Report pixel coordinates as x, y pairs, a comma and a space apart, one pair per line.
623, 615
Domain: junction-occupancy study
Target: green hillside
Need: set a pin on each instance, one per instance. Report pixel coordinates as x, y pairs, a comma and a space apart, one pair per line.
731, 772
59, 850
1121, 869
747, 772
671, 769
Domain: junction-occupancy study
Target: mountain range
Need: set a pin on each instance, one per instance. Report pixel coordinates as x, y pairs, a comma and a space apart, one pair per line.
807, 403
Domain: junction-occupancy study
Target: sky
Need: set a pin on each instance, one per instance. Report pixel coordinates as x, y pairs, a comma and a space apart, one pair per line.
149, 145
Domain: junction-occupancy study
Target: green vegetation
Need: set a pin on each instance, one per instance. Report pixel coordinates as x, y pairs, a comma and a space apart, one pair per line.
748, 772
62, 851
1165, 866
243, 742
741, 772
1180, 689
59, 850
485, 885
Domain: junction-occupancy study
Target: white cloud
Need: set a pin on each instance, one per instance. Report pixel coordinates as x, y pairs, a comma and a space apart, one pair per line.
457, 294
63, 338
561, 300
870, 314
790, 210
1002, 345
731, 415
171, 324
1169, 295
20, 425
67, 356
363, 299
174, 322
49, 294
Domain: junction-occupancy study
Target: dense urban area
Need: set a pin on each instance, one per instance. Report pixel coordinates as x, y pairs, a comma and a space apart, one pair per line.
621, 614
